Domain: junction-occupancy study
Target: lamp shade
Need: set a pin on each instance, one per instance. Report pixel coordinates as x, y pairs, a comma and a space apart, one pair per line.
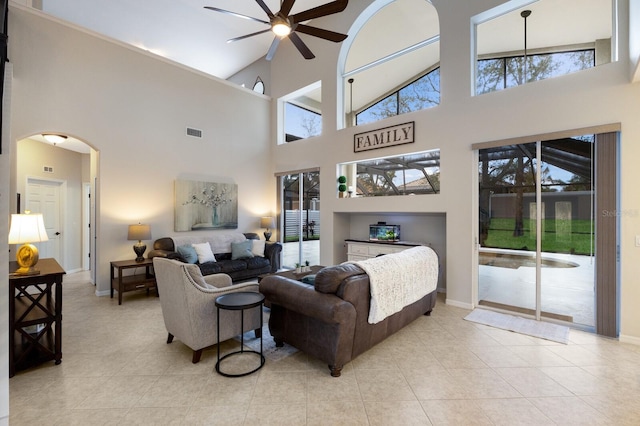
27, 228
267, 222
139, 232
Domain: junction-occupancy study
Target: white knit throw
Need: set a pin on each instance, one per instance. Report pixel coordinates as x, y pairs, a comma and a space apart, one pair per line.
399, 279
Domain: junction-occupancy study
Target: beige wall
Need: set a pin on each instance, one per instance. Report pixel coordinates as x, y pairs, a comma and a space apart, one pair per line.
597, 96
133, 109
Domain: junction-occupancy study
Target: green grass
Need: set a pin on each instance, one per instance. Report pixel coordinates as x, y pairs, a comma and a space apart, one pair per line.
293, 239
579, 241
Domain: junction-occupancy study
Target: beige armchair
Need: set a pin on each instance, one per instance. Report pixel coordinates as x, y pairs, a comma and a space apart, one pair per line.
188, 305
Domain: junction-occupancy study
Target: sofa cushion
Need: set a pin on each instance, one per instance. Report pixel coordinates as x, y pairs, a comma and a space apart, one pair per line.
210, 268
241, 250
204, 252
188, 253
257, 247
228, 266
329, 279
257, 262
309, 279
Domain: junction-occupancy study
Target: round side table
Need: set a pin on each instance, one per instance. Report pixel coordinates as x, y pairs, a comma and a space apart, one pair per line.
239, 302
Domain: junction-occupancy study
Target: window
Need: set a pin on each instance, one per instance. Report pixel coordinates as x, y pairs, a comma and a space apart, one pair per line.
300, 114
419, 94
517, 45
502, 73
401, 74
301, 123
409, 174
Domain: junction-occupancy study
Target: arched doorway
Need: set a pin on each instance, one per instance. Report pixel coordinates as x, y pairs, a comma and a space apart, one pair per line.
57, 178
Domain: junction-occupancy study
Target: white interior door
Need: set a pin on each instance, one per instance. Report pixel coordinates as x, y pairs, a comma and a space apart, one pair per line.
43, 196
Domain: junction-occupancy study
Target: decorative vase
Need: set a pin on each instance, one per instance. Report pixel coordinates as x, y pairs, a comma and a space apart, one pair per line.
214, 218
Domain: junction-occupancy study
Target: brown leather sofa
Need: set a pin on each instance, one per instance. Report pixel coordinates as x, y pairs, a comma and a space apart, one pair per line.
328, 320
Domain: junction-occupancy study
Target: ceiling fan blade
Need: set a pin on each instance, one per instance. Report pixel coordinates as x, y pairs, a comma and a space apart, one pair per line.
319, 32
265, 8
231, 40
272, 48
215, 9
304, 50
317, 12
286, 7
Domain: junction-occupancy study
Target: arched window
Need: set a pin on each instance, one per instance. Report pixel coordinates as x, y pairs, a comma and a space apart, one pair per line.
401, 74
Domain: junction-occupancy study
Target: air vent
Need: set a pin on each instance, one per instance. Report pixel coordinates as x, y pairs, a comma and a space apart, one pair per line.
196, 133
47, 169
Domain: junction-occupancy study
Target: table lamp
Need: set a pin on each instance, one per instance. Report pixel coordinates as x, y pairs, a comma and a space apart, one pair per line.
268, 223
139, 232
26, 229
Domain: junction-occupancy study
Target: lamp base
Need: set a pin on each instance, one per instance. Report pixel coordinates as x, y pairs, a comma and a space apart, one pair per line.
267, 235
26, 271
27, 256
139, 249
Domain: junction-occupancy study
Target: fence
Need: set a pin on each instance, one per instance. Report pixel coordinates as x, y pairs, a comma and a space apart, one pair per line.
310, 224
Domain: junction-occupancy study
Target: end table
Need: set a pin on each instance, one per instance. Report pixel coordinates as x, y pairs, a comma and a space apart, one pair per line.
239, 302
123, 283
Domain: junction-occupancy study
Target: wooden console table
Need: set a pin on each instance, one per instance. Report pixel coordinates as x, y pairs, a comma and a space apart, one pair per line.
35, 316
123, 283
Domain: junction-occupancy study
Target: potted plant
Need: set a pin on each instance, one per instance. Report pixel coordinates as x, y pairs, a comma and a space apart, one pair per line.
342, 187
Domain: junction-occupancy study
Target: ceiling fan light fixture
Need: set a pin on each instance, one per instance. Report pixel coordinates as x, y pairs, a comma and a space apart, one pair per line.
280, 27
53, 138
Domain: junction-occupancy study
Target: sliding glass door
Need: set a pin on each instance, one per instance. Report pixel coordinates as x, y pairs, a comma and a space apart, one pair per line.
300, 218
537, 229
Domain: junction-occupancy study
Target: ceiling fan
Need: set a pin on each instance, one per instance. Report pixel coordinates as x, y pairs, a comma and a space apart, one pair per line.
284, 25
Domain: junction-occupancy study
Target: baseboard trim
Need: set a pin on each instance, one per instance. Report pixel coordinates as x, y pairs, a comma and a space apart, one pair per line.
629, 339
458, 304
103, 293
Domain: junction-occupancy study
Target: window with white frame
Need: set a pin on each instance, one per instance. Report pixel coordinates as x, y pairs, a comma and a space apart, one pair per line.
521, 42
402, 73
301, 114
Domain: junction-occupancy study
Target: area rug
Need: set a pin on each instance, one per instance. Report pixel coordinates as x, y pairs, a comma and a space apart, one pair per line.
269, 349
543, 330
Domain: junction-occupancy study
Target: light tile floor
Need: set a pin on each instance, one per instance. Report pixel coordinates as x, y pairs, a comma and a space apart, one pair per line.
440, 370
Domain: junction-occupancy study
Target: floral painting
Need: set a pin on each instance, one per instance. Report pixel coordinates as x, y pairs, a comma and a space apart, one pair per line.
205, 205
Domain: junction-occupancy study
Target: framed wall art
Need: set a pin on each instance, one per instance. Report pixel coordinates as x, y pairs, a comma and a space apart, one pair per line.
205, 205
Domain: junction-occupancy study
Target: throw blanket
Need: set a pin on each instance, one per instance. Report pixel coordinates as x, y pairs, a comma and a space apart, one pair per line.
399, 279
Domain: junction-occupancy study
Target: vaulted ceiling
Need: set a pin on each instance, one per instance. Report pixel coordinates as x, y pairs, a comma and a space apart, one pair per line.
185, 32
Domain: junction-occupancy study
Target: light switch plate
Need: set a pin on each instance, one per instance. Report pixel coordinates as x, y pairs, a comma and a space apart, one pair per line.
637, 240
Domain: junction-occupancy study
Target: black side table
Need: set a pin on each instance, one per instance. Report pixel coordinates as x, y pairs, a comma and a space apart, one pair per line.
239, 302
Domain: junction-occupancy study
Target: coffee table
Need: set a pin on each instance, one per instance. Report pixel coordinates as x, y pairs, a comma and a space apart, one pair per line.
292, 274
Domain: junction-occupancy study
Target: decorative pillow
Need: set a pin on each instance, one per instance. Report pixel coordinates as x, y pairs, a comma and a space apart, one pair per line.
309, 279
204, 252
241, 250
188, 253
257, 247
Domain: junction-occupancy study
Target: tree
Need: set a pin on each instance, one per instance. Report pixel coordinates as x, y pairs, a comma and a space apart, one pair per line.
311, 124
419, 94
501, 73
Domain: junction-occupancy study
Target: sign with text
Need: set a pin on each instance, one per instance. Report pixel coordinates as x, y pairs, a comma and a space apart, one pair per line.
382, 138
